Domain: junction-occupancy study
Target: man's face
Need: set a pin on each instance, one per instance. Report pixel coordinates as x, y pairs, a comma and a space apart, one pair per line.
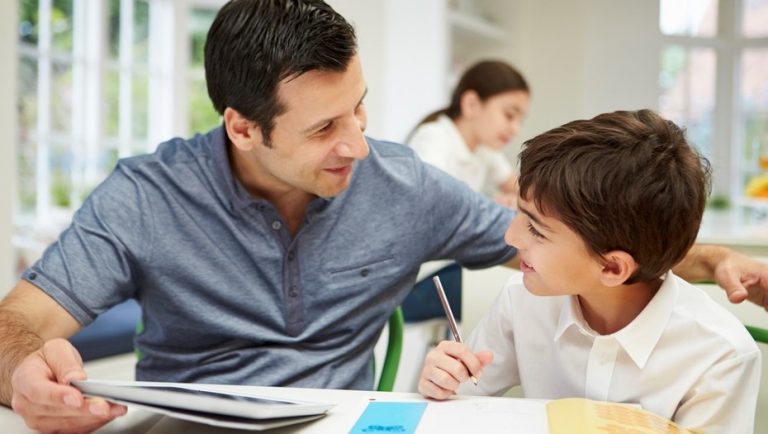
554, 259
319, 137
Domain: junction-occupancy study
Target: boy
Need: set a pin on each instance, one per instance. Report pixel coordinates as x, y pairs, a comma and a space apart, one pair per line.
607, 207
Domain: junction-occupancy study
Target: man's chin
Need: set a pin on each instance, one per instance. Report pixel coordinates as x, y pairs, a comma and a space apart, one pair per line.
332, 191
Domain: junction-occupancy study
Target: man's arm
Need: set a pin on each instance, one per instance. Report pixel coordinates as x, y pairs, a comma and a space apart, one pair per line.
28, 318
742, 277
36, 367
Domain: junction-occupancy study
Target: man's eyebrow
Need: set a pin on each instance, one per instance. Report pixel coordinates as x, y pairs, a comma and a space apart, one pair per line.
322, 122
533, 217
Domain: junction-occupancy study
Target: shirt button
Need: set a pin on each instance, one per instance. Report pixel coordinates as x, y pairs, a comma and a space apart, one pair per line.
293, 292
276, 225
32, 275
291, 255
364, 272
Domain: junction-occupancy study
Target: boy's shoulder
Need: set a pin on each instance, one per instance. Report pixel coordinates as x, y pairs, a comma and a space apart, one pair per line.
699, 312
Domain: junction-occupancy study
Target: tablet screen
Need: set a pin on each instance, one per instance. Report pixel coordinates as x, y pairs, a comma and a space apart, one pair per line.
203, 398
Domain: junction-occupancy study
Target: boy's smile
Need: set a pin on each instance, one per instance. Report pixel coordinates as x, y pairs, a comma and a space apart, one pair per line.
553, 258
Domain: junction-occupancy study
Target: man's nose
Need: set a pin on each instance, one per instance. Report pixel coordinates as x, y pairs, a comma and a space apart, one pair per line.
353, 144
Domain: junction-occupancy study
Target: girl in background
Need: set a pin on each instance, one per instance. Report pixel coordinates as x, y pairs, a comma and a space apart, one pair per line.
466, 138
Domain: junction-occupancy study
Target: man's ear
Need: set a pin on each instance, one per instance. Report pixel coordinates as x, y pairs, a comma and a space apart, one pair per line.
617, 268
470, 103
243, 133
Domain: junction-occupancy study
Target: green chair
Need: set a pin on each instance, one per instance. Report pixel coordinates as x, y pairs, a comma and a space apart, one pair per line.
758, 334
394, 351
391, 359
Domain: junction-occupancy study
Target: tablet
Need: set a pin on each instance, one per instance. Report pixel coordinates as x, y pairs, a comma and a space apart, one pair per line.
200, 398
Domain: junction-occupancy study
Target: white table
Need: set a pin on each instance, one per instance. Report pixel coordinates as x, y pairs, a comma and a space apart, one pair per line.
462, 414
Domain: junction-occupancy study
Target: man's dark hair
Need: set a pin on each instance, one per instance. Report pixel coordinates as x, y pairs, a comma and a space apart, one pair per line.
622, 181
254, 44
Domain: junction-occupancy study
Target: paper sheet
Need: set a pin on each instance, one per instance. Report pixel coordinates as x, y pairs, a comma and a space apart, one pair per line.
485, 415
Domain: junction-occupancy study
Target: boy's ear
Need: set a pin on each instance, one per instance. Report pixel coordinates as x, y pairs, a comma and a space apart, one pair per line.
243, 133
470, 103
618, 267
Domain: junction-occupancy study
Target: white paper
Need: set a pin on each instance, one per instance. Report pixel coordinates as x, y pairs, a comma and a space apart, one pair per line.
486, 416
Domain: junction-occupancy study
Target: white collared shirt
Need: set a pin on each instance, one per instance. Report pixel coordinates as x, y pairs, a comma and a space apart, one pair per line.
684, 357
440, 144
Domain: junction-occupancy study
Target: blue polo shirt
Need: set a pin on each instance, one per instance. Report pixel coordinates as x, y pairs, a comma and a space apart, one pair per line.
229, 296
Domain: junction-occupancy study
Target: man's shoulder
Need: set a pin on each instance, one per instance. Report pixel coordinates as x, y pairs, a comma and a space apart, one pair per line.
389, 149
177, 150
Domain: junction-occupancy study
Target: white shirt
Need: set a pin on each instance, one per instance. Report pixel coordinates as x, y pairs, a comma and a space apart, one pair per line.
684, 357
440, 144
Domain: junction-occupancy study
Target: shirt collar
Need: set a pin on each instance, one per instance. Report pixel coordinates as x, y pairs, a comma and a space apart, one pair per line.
233, 190
639, 337
460, 149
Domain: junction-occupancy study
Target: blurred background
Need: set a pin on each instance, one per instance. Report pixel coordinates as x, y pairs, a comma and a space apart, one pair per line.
86, 82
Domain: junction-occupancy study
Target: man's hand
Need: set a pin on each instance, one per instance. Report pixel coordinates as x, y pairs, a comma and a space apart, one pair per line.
448, 365
743, 278
43, 397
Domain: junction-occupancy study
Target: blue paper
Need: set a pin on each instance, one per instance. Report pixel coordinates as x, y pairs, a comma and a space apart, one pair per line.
381, 417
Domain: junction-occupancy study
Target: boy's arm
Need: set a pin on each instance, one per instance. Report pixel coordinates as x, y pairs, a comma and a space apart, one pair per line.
742, 277
724, 399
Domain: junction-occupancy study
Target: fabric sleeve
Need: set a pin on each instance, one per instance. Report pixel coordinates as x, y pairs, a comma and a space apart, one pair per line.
94, 263
428, 142
463, 225
495, 333
724, 399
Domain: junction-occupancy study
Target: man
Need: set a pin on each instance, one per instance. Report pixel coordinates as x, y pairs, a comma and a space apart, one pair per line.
269, 251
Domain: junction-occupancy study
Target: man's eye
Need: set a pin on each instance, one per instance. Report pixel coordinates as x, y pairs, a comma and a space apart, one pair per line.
325, 127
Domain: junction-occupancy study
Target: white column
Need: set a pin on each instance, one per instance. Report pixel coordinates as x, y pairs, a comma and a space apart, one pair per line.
93, 117
8, 135
162, 71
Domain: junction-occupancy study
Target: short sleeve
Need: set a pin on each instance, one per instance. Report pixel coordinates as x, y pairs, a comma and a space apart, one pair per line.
463, 225
429, 142
94, 264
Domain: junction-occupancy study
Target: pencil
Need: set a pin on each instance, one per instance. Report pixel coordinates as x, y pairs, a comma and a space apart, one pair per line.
449, 315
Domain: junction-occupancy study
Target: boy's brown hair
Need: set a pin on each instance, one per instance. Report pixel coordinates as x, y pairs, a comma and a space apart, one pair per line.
626, 180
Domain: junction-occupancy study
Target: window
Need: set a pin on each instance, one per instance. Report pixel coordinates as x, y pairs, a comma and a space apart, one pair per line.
714, 81
98, 82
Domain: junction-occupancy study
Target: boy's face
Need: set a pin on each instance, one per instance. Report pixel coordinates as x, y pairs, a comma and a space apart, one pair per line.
318, 139
553, 258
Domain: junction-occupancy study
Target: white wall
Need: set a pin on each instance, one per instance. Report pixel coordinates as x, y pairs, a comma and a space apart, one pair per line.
402, 48
582, 57
8, 119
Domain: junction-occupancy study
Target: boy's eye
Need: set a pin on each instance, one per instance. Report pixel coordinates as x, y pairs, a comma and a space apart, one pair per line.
534, 232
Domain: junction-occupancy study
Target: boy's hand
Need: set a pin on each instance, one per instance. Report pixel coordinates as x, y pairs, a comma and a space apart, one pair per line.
448, 365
